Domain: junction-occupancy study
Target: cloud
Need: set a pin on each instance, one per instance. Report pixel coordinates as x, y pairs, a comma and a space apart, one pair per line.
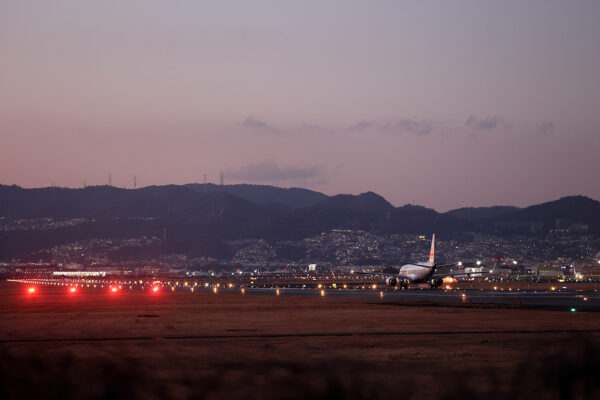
310, 128
416, 127
272, 172
487, 124
361, 126
258, 125
546, 128
419, 128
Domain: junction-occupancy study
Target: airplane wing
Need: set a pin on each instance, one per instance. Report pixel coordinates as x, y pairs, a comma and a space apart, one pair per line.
387, 275
457, 273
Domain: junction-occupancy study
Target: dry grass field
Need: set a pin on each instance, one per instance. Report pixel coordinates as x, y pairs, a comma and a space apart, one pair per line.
130, 345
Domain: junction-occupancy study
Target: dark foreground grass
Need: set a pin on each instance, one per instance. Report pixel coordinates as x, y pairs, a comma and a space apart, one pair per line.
26, 374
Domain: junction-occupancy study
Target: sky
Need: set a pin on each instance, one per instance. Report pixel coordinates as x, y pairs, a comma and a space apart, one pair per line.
438, 103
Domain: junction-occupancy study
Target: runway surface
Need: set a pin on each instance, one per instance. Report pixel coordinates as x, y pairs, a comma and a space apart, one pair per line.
562, 300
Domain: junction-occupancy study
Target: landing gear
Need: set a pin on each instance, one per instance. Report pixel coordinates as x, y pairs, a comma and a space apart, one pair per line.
434, 283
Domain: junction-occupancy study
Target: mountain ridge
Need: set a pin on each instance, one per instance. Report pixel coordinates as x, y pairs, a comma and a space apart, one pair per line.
191, 215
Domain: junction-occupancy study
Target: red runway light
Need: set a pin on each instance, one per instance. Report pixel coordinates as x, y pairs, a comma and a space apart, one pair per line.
73, 290
155, 289
31, 290
113, 289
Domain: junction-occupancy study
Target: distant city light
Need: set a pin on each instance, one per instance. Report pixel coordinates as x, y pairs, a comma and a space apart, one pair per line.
79, 273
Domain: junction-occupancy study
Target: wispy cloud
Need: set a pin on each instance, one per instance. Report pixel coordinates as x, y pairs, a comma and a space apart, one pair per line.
310, 128
417, 127
270, 172
545, 128
406, 125
361, 126
258, 125
487, 124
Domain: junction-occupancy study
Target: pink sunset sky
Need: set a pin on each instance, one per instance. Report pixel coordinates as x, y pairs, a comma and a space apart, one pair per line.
444, 104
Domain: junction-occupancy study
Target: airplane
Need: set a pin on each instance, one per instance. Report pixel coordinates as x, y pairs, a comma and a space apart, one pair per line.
420, 272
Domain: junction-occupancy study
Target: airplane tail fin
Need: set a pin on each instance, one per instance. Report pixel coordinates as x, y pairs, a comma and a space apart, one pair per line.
432, 252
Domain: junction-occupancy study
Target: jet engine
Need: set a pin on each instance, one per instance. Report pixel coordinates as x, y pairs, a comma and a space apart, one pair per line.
391, 281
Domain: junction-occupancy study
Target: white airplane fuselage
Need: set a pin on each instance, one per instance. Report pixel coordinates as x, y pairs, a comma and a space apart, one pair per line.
417, 272
420, 272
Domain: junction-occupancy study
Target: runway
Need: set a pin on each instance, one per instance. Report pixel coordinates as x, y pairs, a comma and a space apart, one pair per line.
186, 333
560, 300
